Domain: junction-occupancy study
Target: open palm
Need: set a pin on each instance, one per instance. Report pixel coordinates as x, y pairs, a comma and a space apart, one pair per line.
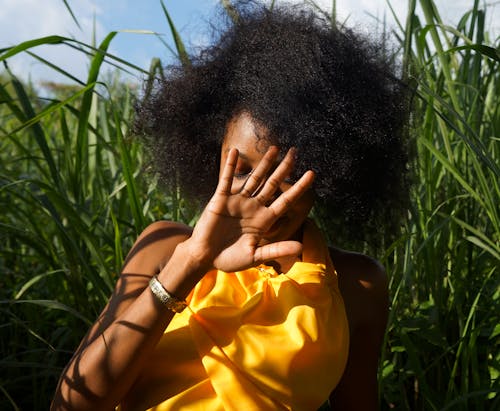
231, 227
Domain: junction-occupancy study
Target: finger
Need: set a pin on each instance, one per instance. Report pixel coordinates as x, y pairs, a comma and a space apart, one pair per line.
277, 177
277, 250
255, 179
286, 199
226, 178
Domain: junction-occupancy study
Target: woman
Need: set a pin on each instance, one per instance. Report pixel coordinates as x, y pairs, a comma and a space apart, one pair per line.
284, 112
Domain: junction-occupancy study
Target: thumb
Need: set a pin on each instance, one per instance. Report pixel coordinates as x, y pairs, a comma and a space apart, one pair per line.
276, 250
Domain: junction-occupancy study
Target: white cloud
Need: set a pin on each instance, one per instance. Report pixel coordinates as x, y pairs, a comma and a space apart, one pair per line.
361, 12
26, 19
22, 20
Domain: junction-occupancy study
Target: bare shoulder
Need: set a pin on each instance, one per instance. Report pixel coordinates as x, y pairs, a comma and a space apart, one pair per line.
150, 252
369, 272
363, 284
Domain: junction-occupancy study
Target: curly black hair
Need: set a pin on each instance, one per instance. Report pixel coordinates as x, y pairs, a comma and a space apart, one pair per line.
332, 93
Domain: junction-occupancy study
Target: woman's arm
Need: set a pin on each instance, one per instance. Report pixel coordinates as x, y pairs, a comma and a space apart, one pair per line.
109, 358
363, 284
226, 237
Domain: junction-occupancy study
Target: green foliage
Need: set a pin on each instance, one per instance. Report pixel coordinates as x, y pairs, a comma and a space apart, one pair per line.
74, 196
442, 342
73, 199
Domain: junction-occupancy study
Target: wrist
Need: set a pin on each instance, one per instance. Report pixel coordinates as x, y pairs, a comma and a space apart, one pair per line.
195, 255
183, 270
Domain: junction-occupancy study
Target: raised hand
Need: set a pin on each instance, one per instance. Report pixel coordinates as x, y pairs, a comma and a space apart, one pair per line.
229, 234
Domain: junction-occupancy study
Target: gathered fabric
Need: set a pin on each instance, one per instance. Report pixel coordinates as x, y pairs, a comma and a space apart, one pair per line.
252, 340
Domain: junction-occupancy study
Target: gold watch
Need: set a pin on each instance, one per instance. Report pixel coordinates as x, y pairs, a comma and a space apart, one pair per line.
168, 300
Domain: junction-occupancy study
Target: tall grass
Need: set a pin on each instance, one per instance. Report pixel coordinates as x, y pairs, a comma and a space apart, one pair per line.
443, 339
73, 200
73, 197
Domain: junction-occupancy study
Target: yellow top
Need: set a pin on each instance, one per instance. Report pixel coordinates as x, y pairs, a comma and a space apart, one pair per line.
252, 340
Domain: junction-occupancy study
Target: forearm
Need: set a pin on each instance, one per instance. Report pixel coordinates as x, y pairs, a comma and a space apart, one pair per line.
102, 372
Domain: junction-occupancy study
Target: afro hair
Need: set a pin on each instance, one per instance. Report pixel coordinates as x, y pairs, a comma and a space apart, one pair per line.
331, 92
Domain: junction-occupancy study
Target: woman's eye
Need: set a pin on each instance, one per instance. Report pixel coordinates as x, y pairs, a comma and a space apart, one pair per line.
242, 174
242, 170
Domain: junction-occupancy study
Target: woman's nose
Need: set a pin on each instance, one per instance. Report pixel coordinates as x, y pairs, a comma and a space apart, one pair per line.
284, 186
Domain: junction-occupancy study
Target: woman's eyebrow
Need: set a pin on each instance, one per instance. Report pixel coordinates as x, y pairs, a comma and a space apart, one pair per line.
240, 154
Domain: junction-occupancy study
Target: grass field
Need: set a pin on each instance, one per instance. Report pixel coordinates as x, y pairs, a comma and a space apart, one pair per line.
74, 194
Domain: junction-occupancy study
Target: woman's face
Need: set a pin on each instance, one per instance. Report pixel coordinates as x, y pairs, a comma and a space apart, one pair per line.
246, 135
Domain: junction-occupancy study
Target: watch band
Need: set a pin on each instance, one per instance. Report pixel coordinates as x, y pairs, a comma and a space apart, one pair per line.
168, 300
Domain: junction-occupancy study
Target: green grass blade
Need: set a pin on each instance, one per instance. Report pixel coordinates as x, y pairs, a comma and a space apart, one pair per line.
135, 203
456, 173
9, 398
12, 51
71, 13
50, 109
33, 281
487, 51
179, 44
36, 129
82, 142
53, 305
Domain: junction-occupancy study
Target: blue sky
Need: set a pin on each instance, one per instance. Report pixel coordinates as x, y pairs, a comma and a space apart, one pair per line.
22, 20
189, 16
